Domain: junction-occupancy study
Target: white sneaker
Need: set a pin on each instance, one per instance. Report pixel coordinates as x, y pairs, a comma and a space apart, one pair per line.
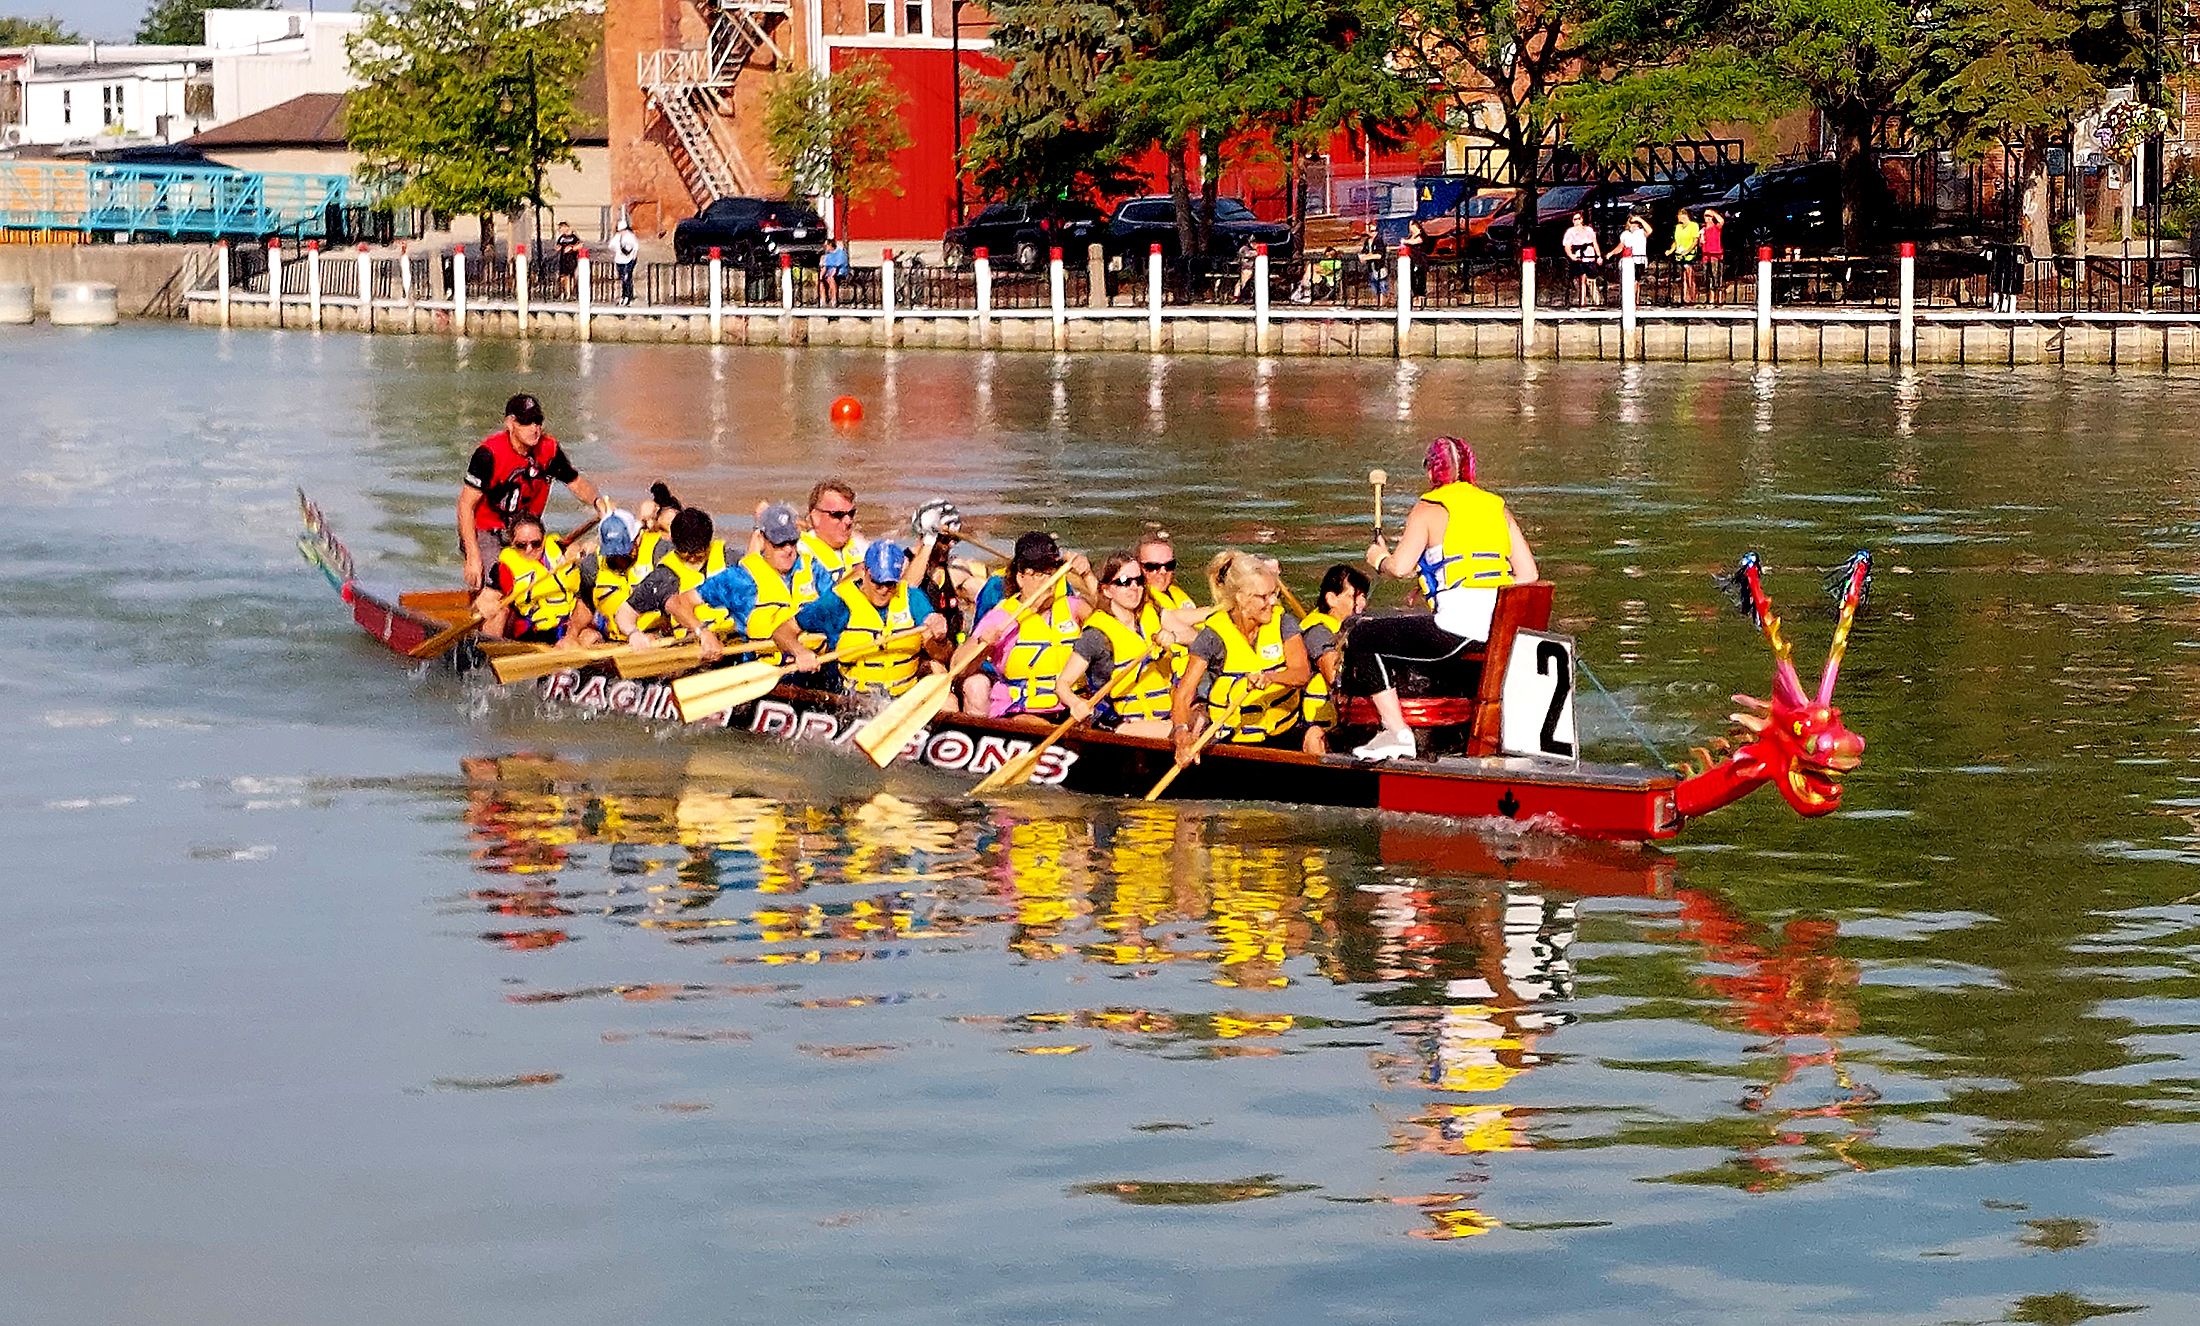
1389, 744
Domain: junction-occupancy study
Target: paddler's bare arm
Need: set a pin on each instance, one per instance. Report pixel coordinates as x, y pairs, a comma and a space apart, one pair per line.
1424, 529
1523, 559
1183, 705
681, 608
1065, 686
789, 638
1296, 671
469, 497
1184, 623
586, 490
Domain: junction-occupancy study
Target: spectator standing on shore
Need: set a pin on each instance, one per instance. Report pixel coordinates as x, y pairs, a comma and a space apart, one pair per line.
1713, 245
831, 270
568, 246
1686, 252
626, 251
1372, 258
1633, 247
2005, 274
1582, 257
1243, 293
1417, 247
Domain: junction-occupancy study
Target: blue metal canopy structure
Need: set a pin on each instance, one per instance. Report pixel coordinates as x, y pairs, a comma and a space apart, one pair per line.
209, 202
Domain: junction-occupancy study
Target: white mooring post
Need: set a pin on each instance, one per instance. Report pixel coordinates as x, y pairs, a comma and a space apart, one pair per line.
522, 297
1054, 297
786, 286
1764, 303
886, 291
1628, 288
1260, 299
405, 287
458, 291
1405, 300
275, 278
1527, 300
363, 268
221, 280
313, 281
587, 292
1153, 298
718, 294
1905, 341
981, 267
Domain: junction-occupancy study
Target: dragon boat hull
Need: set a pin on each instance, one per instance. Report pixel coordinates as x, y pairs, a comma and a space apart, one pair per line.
1801, 748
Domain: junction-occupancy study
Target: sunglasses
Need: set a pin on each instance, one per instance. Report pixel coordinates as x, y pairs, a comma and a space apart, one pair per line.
1132, 582
1169, 565
527, 545
849, 514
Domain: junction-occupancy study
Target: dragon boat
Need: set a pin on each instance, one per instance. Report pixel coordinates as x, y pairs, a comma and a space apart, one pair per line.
1502, 747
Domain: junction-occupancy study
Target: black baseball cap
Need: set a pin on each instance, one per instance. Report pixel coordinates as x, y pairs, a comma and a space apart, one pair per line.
1037, 551
523, 409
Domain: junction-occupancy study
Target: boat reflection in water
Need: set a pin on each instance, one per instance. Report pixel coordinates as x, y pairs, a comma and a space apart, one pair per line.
1444, 958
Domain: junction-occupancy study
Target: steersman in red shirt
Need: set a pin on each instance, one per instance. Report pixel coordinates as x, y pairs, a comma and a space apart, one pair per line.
508, 478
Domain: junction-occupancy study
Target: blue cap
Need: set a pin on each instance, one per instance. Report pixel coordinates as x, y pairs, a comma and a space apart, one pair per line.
616, 533
885, 562
779, 525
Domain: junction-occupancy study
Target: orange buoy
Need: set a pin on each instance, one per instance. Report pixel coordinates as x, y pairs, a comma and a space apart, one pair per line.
847, 410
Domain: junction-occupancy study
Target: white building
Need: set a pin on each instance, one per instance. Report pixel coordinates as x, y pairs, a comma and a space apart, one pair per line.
100, 95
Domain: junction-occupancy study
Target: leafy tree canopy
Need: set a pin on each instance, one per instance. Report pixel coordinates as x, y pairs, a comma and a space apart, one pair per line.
49, 31
837, 133
465, 101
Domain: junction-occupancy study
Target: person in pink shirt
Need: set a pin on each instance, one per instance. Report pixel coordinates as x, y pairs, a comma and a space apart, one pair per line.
1023, 660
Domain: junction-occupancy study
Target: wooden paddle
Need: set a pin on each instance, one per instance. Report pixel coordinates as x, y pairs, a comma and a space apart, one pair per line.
530, 666
709, 694
1018, 769
435, 646
1298, 609
884, 736
982, 546
1206, 739
1378, 478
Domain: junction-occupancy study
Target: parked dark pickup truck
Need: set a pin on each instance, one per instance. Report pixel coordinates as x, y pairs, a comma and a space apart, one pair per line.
749, 231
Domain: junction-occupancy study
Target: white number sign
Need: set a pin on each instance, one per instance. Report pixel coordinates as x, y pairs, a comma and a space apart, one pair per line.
1538, 702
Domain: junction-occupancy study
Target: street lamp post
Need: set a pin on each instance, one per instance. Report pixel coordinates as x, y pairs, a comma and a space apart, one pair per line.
955, 94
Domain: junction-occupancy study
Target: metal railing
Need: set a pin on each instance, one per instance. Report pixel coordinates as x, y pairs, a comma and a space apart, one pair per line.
174, 201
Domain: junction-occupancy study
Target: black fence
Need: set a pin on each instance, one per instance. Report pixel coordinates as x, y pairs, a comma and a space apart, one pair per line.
1944, 280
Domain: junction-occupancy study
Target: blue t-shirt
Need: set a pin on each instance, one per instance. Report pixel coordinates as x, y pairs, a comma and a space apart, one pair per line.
829, 615
990, 597
835, 261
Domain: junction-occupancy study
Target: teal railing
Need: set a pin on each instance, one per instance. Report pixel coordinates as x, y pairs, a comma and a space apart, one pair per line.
173, 201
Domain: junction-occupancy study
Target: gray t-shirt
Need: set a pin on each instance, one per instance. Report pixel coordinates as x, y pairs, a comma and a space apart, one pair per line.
1320, 639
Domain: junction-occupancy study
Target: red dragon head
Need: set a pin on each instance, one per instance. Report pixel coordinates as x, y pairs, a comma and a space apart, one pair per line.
1795, 741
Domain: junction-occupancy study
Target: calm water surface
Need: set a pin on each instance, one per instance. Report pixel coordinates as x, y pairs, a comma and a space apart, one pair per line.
332, 992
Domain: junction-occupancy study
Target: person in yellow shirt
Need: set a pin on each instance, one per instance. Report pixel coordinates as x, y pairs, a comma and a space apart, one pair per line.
1463, 545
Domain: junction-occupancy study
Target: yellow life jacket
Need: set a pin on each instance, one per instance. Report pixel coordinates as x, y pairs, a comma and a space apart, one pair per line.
1266, 712
1318, 707
651, 548
609, 593
1034, 662
776, 603
838, 562
892, 669
714, 561
1145, 695
1476, 552
1149, 620
540, 593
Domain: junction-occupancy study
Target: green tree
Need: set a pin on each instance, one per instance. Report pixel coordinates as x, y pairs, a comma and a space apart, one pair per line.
837, 133
1495, 68
183, 22
48, 31
1235, 81
1992, 72
1042, 129
464, 102
1729, 60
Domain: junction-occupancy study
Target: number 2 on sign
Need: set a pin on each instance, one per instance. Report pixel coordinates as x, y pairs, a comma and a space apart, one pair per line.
1538, 704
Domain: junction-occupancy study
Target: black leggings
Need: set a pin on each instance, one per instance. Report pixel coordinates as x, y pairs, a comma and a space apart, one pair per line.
1373, 645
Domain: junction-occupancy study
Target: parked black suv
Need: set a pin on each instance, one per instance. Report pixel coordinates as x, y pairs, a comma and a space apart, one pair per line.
1141, 222
748, 231
1019, 234
1787, 207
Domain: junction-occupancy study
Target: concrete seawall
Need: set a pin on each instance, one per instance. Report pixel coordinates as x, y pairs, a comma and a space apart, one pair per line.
1796, 336
149, 279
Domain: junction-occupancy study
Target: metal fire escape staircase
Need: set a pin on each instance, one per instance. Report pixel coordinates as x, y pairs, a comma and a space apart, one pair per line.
691, 88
